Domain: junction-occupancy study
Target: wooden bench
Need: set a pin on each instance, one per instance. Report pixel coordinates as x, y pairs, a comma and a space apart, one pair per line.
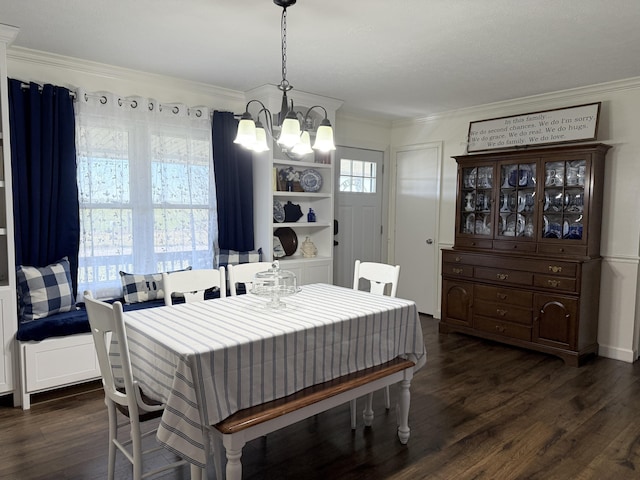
254, 422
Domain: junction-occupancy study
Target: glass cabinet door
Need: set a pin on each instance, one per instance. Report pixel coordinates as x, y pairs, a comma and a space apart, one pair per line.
476, 200
517, 200
564, 191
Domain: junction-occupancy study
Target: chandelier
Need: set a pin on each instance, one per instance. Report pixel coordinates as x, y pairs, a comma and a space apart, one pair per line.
294, 135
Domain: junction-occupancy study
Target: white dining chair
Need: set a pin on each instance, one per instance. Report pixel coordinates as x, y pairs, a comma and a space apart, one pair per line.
192, 284
244, 273
121, 392
381, 278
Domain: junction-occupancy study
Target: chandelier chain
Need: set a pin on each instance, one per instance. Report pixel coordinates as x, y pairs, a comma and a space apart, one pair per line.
284, 84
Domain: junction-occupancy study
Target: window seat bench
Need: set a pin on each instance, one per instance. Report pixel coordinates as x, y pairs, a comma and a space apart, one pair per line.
58, 351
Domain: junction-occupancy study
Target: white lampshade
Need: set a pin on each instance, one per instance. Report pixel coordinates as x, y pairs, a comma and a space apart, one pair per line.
260, 144
324, 139
289, 132
246, 135
303, 147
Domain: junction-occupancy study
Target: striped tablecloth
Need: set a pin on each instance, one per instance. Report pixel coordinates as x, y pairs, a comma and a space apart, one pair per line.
209, 359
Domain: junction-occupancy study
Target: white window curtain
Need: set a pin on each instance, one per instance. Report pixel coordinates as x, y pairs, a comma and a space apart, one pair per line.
146, 189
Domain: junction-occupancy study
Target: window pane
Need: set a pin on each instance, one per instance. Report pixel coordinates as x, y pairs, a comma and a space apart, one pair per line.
371, 169
106, 232
357, 176
103, 180
345, 184
177, 230
345, 166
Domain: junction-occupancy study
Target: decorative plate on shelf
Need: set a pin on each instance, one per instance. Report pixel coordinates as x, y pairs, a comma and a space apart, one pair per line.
278, 212
311, 180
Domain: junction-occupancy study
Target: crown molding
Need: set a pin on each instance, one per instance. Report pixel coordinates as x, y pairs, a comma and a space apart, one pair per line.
537, 102
37, 57
8, 33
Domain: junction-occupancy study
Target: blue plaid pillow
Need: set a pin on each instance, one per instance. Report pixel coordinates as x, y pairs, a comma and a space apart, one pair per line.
226, 257
44, 291
142, 288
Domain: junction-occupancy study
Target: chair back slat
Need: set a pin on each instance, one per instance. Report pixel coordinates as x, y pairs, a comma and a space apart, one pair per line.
244, 273
379, 276
193, 284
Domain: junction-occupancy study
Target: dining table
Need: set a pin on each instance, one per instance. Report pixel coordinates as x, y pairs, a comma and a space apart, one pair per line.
207, 360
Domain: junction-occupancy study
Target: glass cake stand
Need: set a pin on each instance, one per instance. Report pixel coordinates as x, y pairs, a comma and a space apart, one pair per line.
275, 284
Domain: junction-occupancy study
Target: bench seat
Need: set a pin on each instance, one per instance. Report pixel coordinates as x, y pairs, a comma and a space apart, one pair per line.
249, 423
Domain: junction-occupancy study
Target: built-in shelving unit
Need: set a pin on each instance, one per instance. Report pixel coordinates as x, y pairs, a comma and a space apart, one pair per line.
268, 191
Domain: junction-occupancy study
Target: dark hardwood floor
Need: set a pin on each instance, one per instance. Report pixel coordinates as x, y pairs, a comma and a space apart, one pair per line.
479, 410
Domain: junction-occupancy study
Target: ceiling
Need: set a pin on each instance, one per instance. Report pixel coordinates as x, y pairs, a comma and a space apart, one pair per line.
392, 59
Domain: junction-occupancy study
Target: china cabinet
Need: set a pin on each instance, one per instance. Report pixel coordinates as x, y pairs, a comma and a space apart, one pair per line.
525, 266
8, 312
311, 187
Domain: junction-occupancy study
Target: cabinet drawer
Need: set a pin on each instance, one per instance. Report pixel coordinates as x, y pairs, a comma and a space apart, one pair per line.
449, 256
557, 249
514, 246
504, 295
457, 270
505, 312
554, 282
473, 243
558, 268
505, 329
506, 276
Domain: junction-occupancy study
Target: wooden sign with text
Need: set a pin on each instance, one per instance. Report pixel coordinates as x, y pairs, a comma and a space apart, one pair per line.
562, 125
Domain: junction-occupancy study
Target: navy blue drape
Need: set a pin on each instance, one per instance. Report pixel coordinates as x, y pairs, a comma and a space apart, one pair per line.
234, 185
43, 163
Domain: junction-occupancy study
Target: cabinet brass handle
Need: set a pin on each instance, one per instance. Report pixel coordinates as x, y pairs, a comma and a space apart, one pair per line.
458, 270
501, 312
501, 296
555, 269
502, 276
500, 329
553, 283
457, 259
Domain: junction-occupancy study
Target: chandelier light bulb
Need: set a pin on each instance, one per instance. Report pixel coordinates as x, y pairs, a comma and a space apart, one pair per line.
246, 135
303, 147
324, 138
260, 144
290, 131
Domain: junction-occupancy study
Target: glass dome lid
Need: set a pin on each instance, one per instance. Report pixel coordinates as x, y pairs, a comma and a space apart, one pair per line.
275, 284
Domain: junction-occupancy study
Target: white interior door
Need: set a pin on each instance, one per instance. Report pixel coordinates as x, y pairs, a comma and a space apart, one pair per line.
358, 210
416, 208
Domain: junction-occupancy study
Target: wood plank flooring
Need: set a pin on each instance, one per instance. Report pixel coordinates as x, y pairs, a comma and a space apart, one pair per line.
479, 410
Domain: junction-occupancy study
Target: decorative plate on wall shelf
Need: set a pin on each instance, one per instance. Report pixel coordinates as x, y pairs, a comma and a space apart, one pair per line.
278, 212
311, 180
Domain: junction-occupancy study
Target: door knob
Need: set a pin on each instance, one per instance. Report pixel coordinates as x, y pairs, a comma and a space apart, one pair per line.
429, 241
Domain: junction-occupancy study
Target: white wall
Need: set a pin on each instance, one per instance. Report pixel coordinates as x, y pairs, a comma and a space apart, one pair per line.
619, 125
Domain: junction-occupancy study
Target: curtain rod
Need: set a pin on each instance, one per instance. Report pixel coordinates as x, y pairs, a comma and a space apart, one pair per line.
24, 86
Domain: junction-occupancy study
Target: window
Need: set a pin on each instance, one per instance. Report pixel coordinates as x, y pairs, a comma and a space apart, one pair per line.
146, 191
357, 176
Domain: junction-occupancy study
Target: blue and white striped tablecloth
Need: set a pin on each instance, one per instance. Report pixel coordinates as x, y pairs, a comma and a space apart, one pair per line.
207, 360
